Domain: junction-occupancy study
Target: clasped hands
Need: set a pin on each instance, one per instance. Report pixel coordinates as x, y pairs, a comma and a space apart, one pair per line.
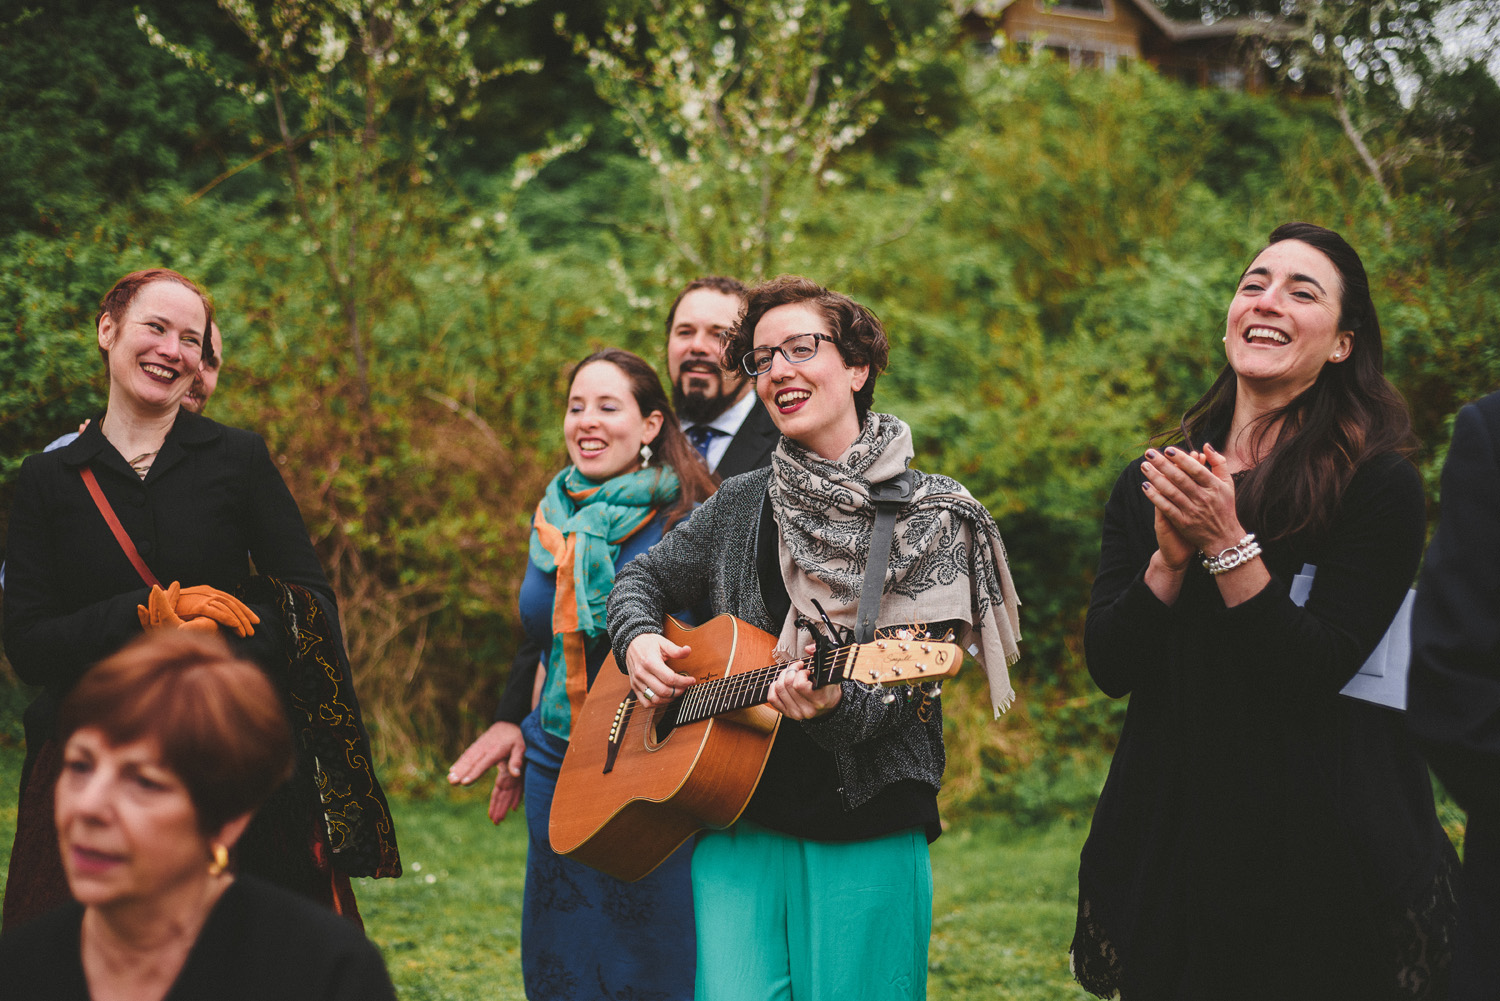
1193, 494
199, 607
655, 683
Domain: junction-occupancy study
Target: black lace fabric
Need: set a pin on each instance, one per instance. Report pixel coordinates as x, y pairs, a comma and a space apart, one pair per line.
1096, 964
1424, 937
1421, 944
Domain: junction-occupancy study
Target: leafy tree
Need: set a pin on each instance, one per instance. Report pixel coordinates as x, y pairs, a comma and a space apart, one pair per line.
743, 107
100, 137
336, 73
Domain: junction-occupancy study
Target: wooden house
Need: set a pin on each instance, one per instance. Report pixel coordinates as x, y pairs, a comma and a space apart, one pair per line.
1107, 33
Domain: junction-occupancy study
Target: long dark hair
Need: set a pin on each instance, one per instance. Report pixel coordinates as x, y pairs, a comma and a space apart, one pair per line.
1351, 413
695, 482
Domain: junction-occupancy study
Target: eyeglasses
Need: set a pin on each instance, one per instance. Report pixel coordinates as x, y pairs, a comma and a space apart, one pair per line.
796, 349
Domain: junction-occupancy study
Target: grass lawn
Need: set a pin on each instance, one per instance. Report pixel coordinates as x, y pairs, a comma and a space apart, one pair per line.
450, 927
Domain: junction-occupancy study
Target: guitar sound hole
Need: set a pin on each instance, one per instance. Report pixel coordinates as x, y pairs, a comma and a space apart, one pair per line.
665, 723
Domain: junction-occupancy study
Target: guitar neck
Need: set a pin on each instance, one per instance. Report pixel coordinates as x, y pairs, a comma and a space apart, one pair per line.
749, 688
888, 661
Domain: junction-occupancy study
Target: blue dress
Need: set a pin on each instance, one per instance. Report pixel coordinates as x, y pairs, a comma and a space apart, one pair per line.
585, 935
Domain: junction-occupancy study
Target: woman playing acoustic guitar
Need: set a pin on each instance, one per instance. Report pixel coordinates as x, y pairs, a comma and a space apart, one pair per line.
823, 887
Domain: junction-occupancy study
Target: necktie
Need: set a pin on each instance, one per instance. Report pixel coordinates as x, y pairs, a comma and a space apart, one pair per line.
701, 435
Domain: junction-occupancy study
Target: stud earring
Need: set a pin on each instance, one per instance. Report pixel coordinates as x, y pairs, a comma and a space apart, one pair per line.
221, 860
645, 454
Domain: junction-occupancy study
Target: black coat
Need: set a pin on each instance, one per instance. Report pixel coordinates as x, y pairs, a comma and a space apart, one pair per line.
1454, 699
259, 942
1260, 835
212, 496
752, 444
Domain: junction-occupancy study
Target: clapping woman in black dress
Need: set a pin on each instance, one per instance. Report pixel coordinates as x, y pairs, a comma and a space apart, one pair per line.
1261, 835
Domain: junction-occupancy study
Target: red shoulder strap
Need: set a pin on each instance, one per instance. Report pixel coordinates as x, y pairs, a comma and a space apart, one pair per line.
102, 503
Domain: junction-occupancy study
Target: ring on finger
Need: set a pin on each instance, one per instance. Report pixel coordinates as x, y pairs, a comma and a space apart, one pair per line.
647, 693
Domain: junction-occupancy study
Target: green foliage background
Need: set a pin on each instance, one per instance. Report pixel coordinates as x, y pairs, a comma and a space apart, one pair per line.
1051, 251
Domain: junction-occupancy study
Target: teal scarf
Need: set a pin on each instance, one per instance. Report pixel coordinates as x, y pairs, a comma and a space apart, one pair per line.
579, 528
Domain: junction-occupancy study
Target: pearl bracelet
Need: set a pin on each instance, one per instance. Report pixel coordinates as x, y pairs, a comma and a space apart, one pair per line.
1239, 554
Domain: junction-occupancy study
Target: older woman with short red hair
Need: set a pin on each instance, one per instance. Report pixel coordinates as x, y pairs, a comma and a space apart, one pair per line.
169, 747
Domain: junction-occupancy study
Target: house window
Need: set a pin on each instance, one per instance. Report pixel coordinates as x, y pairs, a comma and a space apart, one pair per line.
1227, 77
1095, 7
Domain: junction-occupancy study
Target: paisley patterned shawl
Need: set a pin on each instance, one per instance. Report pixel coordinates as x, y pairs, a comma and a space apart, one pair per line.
947, 559
331, 743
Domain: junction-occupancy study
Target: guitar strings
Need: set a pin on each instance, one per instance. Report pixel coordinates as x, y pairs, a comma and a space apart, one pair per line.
705, 699
709, 698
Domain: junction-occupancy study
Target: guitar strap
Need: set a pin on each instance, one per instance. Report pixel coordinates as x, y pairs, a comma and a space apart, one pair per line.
102, 503
890, 496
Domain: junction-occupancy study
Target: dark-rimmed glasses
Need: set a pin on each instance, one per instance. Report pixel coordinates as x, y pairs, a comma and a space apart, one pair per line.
796, 349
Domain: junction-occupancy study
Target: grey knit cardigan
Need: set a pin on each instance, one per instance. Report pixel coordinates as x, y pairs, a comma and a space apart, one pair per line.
712, 555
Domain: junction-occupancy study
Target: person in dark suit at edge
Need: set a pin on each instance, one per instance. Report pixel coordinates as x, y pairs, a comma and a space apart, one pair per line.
1453, 702
731, 431
722, 418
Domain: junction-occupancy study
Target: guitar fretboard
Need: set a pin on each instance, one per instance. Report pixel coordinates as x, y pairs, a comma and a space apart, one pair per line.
750, 688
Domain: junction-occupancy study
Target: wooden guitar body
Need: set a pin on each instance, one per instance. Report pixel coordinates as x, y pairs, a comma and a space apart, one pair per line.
664, 783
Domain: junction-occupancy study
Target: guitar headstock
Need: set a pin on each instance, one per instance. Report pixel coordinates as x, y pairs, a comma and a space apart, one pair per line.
896, 661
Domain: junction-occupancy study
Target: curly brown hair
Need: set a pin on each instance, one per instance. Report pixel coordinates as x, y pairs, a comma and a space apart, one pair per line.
857, 332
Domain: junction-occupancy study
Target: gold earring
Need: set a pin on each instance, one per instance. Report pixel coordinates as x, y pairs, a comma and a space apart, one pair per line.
221, 860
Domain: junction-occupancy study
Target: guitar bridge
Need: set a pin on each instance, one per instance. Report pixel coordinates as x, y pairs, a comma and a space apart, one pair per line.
617, 732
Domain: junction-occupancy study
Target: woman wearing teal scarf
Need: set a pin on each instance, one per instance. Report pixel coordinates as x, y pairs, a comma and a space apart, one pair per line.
633, 475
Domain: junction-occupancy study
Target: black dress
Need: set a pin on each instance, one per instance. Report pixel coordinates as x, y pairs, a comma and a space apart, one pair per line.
259, 942
1259, 835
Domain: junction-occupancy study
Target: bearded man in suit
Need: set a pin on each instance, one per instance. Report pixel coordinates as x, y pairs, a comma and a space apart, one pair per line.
722, 418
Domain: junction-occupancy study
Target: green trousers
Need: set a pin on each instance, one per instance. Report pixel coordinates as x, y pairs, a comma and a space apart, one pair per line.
784, 919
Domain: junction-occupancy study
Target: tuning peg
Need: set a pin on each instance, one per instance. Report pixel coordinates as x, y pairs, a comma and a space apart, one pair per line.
887, 696
933, 689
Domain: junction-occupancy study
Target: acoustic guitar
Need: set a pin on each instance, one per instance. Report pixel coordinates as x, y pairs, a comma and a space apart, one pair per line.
639, 778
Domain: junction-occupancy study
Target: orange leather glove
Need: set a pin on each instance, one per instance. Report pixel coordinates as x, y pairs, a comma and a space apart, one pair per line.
160, 611
201, 602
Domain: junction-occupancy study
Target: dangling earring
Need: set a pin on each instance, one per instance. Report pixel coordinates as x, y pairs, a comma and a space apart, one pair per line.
221, 860
645, 455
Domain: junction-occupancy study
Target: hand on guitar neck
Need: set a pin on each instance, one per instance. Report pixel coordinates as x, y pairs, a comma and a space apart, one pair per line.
794, 695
